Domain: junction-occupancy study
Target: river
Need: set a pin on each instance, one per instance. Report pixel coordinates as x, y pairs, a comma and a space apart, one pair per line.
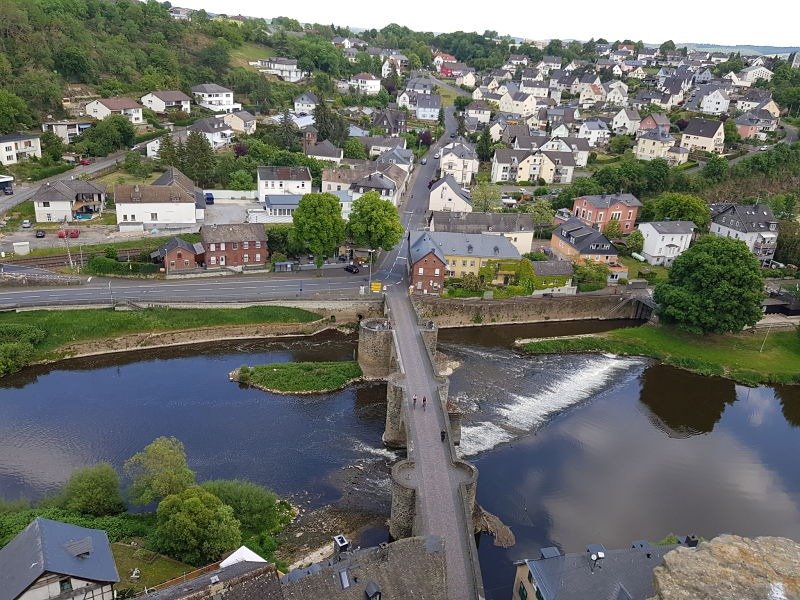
570, 449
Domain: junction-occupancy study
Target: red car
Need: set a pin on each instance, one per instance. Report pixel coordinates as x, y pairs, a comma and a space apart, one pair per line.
72, 233
85, 161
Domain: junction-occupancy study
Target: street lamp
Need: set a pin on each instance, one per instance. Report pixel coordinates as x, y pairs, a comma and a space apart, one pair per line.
370, 268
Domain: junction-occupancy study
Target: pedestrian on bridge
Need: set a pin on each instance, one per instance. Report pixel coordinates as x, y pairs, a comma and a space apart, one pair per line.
443, 434
415, 401
424, 400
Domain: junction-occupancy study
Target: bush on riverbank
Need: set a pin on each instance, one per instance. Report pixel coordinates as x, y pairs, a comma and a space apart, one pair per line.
303, 377
17, 343
70, 326
735, 356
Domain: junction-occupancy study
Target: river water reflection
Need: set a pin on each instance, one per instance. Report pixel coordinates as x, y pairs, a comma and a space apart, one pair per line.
570, 449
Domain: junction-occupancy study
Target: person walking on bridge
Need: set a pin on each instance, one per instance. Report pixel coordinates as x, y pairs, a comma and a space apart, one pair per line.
443, 434
415, 401
424, 400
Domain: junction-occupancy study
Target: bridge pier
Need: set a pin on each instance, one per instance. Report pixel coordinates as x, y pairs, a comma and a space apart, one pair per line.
376, 353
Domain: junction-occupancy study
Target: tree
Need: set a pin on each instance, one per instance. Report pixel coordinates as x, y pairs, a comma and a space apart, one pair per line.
485, 197
318, 223
541, 211
195, 526
241, 180
667, 47
612, 230
168, 153
374, 223
110, 134
93, 491
635, 241
620, 143
731, 132
484, 146
287, 135
716, 169
673, 206
158, 471
715, 286
13, 112
200, 159
52, 146
354, 149
462, 102
788, 250
256, 508
330, 125
281, 240
74, 64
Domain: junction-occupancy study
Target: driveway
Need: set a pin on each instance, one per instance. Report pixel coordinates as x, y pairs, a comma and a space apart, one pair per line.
226, 214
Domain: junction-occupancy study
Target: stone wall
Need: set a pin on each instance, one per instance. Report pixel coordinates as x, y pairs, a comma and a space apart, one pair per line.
394, 434
404, 498
375, 348
468, 312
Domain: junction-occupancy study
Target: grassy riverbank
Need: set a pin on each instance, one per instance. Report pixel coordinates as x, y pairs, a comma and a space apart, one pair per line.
735, 356
300, 377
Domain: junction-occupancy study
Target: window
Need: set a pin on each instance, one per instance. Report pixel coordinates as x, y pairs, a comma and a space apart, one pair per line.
49, 217
172, 263
124, 218
213, 260
65, 585
212, 247
419, 271
222, 246
258, 257
258, 244
235, 245
436, 271
522, 592
463, 263
154, 216
45, 205
180, 255
472, 263
245, 245
246, 258
185, 263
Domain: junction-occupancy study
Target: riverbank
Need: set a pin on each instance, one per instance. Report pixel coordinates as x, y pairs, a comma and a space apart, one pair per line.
739, 357
299, 377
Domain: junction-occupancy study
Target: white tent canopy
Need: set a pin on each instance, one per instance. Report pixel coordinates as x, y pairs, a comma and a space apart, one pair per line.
243, 554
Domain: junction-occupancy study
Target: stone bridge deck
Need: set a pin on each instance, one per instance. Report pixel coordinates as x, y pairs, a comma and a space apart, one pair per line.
434, 472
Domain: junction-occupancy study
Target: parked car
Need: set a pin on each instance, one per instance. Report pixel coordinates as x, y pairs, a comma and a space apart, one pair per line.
209, 198
40, 233
85, 161
452, 135
764, 148
8, 191
424, 161
26, 224
436, 155
351, 269
69, 233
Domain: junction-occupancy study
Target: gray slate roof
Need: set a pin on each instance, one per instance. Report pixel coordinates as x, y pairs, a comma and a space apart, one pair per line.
623, 574
284, 173
307, 97
606, 200
46, 546
430, 101
584, 239
66, 189
18, 137
746, 218
702, 128
480, 222
672, 227
177, 243
210, 88
171, 96
398, 156
464, 244
421, 245
449, 180
242, 232
210, 125
267, 588
555, 268
325, 149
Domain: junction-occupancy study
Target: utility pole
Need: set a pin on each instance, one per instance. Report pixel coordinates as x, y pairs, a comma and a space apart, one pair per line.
66, 243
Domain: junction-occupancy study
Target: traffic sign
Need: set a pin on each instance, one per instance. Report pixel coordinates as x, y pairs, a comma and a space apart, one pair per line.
375, 286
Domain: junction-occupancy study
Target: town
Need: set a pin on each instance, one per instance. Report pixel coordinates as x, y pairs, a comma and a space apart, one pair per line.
304, 213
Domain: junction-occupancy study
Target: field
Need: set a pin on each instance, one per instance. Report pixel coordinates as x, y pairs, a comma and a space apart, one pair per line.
147, 244
302, 377
153, 568
241, 56
118, 177
736, 356
634, 266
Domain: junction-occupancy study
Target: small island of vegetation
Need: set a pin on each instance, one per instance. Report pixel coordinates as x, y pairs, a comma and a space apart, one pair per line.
299, 377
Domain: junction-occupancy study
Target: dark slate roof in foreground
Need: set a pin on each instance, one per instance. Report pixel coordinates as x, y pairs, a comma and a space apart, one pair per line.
47, 546
584, 239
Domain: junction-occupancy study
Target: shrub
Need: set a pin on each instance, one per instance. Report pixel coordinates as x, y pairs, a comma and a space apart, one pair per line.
17, 332
14, 356
93, 491
103, 265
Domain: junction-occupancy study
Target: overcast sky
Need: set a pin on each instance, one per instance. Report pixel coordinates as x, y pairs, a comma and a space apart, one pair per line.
697, 22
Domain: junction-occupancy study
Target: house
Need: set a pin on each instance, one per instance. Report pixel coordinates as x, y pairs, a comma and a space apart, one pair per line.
392, 121
756, 124
51, 559
235, 246
279, 208
758, 98
652, 144
616, 93
68, 200
710, 100
578, 146
153, 147
467, 79
167, 100
553, 277
595, 131
597, 573
241, 121
597, 211
342, 179
448, 195
464, 253
375, 146
442, 57
365, 83
106, 107
306, 103
518, 228
401, 157
573, 240
218, 133
753, 73
285, 68
178, 256
755, 225
549, 63
657, 121
428, 107
215, 98
479, 110
460, 160
392, 63
66, 130
705, 135
555, 167
626, 122
511, 165
419, 85
283, 180
16, 147
426, 264
665, 240
172, 199
377, 182
326, 151
591, 95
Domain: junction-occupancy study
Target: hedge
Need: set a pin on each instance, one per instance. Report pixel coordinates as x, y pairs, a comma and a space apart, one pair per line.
102, 265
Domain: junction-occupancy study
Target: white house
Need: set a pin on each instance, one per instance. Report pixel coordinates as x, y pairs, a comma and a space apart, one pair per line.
283, 180
68, 200
366, 83
479, 110
595, 131
428, 107
702, 134
755, 225
171, 200
306, 103
665, 240
460, 160
215, 97
754, 73
51, 559
67, 130
285, 68
325, 151
447, 195
105, 107
16, 147
715, 102
626, 121
163, 101
216, 131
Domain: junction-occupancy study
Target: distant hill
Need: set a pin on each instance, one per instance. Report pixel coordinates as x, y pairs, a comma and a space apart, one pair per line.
744, 49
